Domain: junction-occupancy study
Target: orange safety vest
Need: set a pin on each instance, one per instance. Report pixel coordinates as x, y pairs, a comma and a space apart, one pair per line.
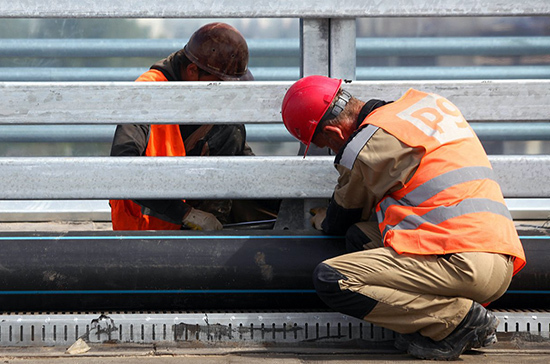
452, 203
164, 140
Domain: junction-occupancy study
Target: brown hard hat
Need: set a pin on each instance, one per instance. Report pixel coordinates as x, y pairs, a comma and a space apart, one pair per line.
221, 50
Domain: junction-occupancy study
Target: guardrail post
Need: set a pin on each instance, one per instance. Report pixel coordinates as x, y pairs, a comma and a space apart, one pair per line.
314, 46
315, 50
342, 54
327, 47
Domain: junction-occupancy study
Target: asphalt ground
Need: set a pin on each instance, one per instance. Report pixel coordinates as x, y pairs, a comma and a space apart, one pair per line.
190, 357
512, 349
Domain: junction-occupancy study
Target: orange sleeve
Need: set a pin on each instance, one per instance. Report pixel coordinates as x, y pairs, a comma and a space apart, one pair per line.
152, 76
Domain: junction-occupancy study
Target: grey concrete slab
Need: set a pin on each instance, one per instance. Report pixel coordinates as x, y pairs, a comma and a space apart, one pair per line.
511, 349
534, 357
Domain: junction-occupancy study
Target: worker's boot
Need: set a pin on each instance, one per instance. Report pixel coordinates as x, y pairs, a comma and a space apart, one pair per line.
402, 341
477, 329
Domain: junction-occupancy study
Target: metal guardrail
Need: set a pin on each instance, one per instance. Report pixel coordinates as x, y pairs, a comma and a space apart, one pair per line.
453, 73
25, 211
80, 74
27, 178
264, 133
100, 103
267, 9
325, 46
277, 48
101, 48
26, 103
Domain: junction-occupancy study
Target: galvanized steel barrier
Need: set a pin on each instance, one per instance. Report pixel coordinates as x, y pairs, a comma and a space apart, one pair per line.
252, 103
327, 45
288, 49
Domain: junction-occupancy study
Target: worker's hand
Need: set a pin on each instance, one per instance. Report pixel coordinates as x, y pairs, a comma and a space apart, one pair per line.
201, 220
319, 214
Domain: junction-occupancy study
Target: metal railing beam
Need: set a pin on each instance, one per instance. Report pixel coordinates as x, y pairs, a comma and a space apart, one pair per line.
366, 47
78, 74
244, 102
263, 133
58, 178
266, 8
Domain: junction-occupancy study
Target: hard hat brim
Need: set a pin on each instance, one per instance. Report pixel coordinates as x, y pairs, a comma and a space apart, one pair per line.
246, 77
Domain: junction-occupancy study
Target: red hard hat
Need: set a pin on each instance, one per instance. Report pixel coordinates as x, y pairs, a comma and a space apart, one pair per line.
221, 50
305, 103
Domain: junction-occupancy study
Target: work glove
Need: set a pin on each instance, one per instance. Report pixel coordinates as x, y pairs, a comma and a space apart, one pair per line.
201, 220
319, 214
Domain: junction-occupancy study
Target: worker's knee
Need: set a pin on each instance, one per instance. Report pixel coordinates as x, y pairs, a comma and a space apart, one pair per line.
325, 280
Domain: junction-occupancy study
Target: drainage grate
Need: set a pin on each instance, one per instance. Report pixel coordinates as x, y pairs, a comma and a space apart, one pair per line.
250, 328
537, 323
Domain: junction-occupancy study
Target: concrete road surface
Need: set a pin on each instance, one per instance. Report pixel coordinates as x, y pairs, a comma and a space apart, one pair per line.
538, 353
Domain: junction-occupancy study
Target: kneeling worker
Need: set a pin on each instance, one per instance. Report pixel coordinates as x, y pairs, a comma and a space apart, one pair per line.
215, 52
446, 243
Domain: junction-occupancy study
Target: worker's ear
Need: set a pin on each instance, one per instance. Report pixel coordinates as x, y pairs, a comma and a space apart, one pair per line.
334, 132
191, 72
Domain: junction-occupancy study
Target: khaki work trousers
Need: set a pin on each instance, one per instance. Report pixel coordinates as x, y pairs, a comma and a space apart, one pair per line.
429, 294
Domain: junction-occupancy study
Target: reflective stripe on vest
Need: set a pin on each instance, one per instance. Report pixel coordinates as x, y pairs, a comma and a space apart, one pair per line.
443, 213
438, 184
354, 146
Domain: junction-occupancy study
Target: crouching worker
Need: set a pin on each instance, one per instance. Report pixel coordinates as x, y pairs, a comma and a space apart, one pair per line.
446, 242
